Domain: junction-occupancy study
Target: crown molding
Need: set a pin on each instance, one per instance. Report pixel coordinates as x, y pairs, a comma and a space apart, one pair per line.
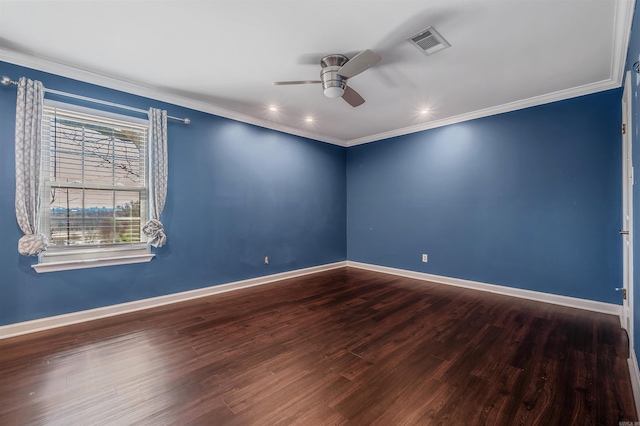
622, 23
500, 109
136, 88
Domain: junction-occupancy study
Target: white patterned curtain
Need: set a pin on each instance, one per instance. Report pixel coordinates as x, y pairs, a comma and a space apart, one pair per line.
28, 143
158, 170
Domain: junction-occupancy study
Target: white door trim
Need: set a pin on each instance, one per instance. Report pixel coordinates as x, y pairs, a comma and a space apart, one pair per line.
627, 211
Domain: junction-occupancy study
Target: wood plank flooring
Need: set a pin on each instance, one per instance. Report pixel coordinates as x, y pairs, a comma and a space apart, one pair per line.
343, 347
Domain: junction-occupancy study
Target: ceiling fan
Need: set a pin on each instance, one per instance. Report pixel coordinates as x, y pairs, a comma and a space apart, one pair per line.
336, 70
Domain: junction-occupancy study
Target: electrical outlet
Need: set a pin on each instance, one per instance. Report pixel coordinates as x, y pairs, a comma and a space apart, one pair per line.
266, 260
425, 258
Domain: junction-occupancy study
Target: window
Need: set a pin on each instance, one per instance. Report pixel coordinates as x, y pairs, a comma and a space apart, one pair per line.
94, 188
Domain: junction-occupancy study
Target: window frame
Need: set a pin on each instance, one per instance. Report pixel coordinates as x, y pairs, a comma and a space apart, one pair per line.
61, 258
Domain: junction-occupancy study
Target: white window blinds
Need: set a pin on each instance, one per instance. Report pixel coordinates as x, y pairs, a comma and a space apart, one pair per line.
95, 179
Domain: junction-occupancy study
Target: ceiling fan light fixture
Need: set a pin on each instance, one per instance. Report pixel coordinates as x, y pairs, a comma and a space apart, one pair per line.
336, 70
333, 84
333, 92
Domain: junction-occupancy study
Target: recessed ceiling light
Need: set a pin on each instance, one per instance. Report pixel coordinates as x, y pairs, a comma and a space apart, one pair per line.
425, 111
273, 108
308, 119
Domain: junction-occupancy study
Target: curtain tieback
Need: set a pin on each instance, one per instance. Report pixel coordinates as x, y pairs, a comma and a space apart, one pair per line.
155, 231
32, 244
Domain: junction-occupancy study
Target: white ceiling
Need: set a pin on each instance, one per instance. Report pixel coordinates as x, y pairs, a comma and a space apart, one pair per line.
221, 56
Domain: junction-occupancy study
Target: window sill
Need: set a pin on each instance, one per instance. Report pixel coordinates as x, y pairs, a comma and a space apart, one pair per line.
91, 263
64, 260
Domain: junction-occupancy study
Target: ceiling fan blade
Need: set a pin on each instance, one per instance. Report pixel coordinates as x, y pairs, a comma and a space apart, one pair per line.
361, 62
352, 97
283, 83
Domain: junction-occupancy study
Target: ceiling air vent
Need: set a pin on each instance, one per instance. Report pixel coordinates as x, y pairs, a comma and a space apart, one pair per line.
429, 41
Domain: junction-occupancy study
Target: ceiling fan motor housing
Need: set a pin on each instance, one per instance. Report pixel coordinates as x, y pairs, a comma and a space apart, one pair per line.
333, 84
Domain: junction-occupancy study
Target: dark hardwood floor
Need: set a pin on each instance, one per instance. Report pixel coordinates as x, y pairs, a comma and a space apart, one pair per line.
341, 347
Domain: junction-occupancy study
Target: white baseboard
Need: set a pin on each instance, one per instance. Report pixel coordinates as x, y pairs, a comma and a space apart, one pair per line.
573, 302
41, 324
138, 305
635, 378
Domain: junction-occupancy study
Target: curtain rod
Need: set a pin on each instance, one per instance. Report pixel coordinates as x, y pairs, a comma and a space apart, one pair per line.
7, 81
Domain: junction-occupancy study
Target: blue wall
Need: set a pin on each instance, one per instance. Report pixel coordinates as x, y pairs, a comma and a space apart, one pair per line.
529, 199
236, 193
633, 55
